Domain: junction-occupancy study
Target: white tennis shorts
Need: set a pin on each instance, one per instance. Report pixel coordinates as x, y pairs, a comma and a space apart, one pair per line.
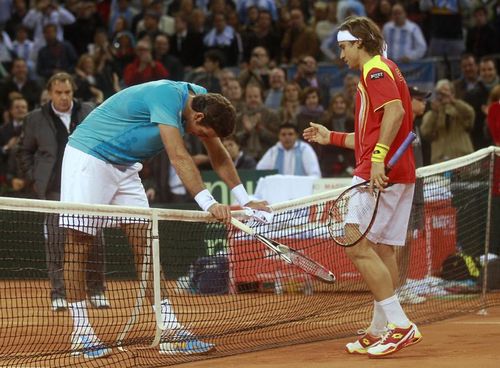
86, 179
394, 209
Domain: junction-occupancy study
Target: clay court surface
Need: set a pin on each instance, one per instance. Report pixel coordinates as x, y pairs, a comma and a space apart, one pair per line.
31, 335
470, 341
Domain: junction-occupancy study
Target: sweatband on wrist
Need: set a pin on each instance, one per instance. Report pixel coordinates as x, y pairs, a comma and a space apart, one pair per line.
338, 139
205, 200
380, 152
241, 195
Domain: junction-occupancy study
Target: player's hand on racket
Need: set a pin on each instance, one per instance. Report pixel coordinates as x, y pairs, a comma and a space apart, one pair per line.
221, 212
317, 133
377, 176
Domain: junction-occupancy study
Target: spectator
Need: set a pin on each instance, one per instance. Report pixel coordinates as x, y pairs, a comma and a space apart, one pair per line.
40, 154
418, 105
266, 5
158, 20
121, 12
9, 138
481, 38
310, 109
326, 26
81, 33
234, 94
123, 51
337, 161
55, 56
290, 104
350, 88
256, 125
6, 53
274, 95
307, 76
299, 39
493, 115
447, 125
264, 35
19, 11
290, 156
257, 71
379, 11
445, 18
469, 76
208, 75
404, 38
346, 8
19, 81
186, 44
47, 12
23, 47
149, 26
162, 54
478, 98
143, 68
139, 16
241, 160
86, 81
225, 39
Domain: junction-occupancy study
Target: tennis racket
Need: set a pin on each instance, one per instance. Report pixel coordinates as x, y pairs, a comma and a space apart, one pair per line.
289, 255
353, 212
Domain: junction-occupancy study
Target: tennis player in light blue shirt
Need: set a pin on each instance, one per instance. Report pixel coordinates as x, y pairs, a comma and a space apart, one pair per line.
101, 166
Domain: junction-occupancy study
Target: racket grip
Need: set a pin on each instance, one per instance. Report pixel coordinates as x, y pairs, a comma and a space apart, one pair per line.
404, 146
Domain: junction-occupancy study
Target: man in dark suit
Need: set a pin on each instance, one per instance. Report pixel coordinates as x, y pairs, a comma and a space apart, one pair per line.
187, 45
40, 153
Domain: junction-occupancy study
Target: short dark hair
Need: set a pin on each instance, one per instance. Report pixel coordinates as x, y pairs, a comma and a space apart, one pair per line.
289, 126
220, 115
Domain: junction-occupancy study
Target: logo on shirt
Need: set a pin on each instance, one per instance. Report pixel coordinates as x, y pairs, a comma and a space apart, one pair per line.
377, 75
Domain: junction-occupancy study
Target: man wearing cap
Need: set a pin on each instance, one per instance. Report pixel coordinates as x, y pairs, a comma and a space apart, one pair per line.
418, 101
383, 120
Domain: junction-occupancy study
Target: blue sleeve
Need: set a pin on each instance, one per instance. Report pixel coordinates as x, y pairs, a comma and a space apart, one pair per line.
165, 106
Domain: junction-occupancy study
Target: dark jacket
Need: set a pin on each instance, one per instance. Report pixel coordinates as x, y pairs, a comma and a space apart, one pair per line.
39, 155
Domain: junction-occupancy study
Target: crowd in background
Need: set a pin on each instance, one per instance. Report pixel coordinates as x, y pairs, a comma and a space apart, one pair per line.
242, 49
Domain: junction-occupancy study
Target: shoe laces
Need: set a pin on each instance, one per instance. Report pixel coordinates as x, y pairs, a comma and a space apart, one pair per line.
390, 330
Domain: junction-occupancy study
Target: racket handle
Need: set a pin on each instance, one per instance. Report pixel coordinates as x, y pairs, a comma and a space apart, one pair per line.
404, 146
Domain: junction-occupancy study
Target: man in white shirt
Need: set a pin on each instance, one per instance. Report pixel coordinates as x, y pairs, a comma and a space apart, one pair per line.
404, 38
290, 156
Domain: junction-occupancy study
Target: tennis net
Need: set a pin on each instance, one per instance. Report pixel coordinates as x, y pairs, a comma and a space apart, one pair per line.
225, 287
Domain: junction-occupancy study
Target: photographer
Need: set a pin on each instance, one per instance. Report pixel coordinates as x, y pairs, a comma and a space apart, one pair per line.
448, 124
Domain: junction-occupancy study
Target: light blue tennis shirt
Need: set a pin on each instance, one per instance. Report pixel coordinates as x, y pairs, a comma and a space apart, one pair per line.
124, 129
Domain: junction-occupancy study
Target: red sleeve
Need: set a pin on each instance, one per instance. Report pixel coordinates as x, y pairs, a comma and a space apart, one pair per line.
494, 122
159, 71
381, 88
129, 74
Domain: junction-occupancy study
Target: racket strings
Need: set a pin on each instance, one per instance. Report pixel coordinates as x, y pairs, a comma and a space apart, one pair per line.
351, 215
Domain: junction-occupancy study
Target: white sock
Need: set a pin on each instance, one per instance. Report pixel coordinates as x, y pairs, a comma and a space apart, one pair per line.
393, 311
379, 321
81, 323
168, 316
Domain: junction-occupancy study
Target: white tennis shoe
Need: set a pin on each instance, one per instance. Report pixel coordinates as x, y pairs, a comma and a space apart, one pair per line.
183, 343
88, 345
59, 304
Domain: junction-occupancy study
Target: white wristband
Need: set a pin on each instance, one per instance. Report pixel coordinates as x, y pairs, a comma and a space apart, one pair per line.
241, 195
205, 199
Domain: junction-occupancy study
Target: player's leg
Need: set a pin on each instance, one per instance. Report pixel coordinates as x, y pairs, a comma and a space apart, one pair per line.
95, 273
83, 338
175, 338
54, 253
389, 232
84, 179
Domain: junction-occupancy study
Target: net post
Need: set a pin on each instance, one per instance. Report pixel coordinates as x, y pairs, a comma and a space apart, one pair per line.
155, 243
483, 310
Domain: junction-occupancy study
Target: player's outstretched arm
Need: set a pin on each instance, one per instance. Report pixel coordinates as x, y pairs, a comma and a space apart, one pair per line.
320, 134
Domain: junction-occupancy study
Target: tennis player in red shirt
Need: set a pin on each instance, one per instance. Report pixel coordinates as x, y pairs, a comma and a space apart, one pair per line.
383, 119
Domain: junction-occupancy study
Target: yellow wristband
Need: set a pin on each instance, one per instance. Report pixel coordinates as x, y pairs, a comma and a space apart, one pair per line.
380, 152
